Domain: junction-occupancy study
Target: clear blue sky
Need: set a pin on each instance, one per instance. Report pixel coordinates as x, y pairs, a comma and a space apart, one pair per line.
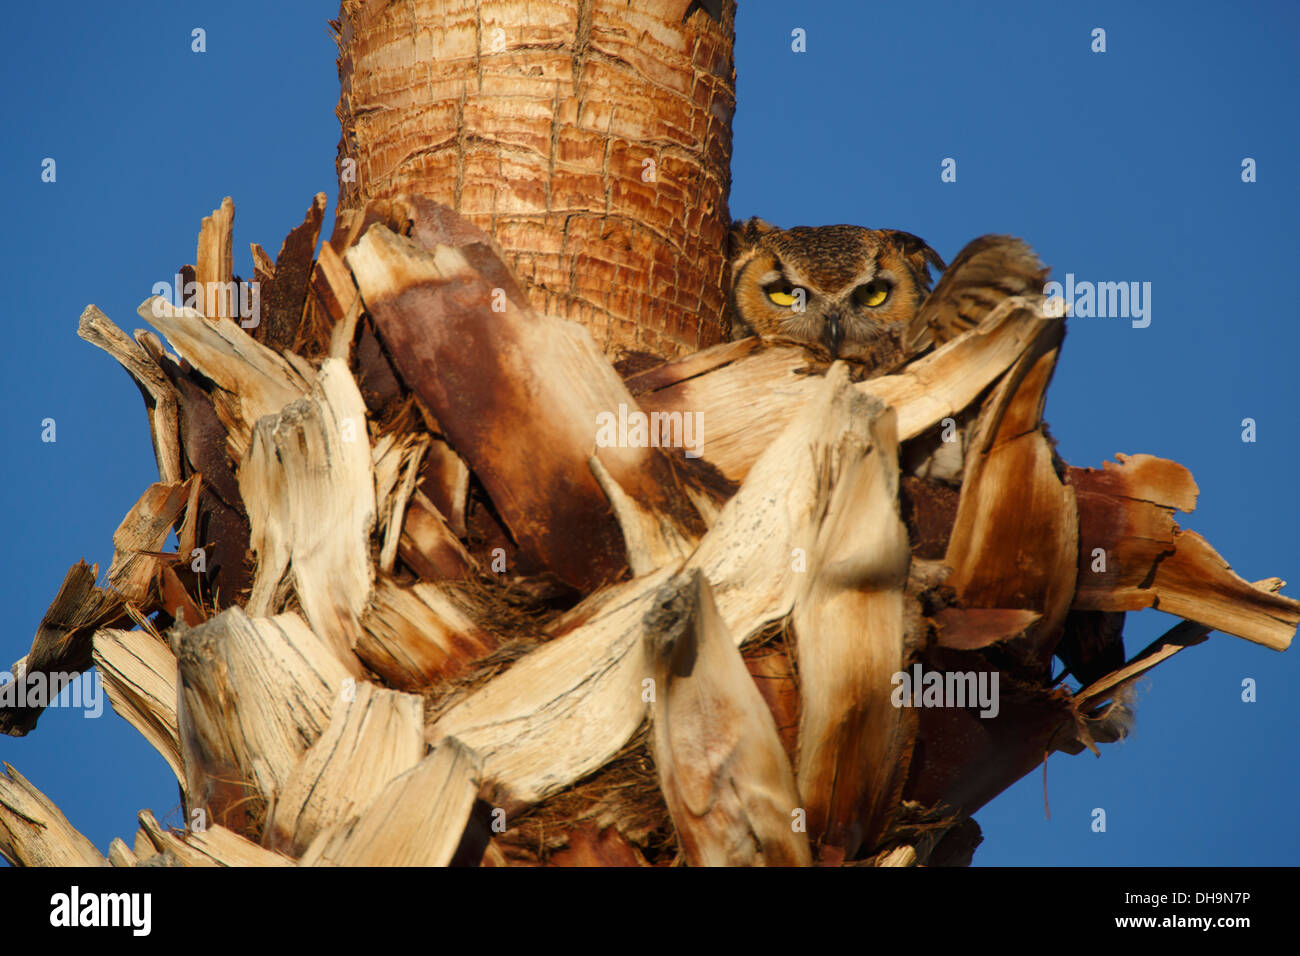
1116, 166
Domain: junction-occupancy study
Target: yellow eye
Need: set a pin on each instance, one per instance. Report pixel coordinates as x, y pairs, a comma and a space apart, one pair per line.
872, 294
785, 295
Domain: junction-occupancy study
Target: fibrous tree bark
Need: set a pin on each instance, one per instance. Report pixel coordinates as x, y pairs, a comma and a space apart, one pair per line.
590, 138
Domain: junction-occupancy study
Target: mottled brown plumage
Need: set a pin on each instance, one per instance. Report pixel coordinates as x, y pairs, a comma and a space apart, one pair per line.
847, 288
986, 271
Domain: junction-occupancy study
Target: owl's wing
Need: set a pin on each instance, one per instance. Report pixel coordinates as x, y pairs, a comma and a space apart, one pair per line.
984, 273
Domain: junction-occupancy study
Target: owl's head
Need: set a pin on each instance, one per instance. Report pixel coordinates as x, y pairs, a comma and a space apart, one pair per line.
841, 286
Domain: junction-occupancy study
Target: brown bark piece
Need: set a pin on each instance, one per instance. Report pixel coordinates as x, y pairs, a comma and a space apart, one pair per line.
220, 521
254, 694
429, 546
416, 820
214, 263
849, 620
490, 377
963, 759
140, 537
774, 677
159, 395
34, 832
282, 306
63, 644
1014, 544
374, 736
1132, 555
139, 674
722, 769
414, 636
591, 846
309, 484
930, 509
968, 629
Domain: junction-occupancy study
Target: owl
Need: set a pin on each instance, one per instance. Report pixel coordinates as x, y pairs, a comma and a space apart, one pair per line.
986, 272
848, 289
864, 294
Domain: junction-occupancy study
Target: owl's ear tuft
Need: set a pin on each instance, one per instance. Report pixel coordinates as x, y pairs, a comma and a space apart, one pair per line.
745, 233
919, 255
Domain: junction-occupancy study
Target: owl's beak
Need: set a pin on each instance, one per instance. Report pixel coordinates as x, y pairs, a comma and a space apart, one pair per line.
832, 333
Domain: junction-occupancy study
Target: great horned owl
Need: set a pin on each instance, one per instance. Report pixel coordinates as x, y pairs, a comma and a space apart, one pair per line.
846, 288
864, 294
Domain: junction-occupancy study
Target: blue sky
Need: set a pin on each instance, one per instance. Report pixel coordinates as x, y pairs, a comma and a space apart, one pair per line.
1116, 166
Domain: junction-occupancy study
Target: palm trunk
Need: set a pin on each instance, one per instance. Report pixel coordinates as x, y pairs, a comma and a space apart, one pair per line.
590, 138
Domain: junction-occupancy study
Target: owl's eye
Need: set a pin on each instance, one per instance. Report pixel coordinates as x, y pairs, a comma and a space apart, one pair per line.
782, 295
873, 293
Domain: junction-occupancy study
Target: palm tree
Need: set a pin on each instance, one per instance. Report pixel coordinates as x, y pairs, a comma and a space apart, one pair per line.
493, 551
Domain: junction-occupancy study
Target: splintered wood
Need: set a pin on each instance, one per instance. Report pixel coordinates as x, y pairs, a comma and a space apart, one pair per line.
448, 590
34, 832
725, 777
494, 375
848, 624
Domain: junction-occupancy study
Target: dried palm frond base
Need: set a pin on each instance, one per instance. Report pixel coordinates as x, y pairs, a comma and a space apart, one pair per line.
444, 595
